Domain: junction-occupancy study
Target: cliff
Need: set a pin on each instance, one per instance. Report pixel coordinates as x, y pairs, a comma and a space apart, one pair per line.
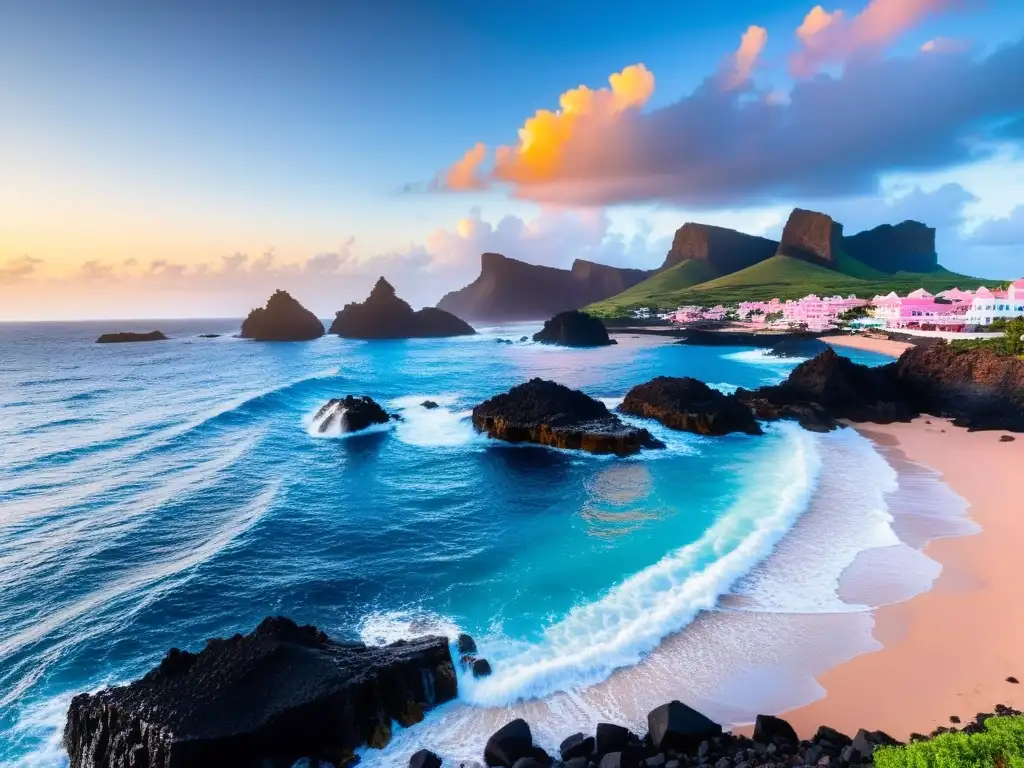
724, 249
509, 289
812, 236
906, 247
385, 316
282, 319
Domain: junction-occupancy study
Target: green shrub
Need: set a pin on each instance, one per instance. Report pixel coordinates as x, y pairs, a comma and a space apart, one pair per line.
1000, 745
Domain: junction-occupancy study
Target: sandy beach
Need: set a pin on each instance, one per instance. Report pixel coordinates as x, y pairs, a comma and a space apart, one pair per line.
868, 343
947, 651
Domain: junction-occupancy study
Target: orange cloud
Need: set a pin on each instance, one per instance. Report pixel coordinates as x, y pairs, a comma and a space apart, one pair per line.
743, 61
465, 174
830, 37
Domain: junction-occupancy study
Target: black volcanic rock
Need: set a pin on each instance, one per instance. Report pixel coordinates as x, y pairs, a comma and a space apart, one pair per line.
812, 236
843, 388
574, 329
690, 405
385, 316
726, 250
547, 413
128, 336
508, 744
282, 319
677, 727
354, 413
269, 698
509, 289
907, 247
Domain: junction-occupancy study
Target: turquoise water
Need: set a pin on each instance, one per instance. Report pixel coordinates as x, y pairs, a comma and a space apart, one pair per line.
155, 495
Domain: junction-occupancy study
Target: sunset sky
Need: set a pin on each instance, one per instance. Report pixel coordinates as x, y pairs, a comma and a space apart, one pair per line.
176, 159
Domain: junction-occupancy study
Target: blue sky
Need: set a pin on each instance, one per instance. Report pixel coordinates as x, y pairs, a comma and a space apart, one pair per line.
182, 133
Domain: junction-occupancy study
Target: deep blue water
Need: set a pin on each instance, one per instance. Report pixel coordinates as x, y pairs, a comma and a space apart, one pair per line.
155, 495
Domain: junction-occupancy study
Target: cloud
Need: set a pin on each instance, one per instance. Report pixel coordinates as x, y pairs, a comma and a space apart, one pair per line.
751, 45
16, 269
834, 135
1007, 231
832, 37
95, 270
946, 45
464, 174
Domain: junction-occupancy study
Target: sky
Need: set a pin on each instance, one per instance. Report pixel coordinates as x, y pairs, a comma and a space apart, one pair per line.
185, 159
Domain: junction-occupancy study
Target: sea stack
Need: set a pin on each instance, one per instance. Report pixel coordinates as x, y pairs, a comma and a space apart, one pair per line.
275, 696
551, 414
385, 316
574, 329
282, 319
691, 406
129, 337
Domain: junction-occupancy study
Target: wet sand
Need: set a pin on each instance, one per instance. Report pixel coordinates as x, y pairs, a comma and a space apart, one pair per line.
947, 651
868, 343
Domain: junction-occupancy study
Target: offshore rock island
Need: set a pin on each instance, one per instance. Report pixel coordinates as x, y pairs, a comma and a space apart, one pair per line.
282, 319
385, 316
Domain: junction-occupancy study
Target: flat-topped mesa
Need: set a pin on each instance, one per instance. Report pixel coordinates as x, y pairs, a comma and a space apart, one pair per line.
385, 316
812, 236
262, 700
691, 406
551, 414
907, 247
282, 319
508, 289
126, 337
724, 249
574, 329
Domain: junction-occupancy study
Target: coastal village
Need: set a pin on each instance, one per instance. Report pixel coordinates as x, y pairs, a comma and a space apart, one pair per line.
956, 312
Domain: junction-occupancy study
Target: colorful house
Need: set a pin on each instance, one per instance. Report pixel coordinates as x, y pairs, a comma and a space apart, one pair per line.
988, 305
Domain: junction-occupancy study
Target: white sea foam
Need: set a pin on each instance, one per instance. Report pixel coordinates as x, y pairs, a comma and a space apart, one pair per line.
385, 627
445, 425
617, 630
763, 357
724, 387
314, 420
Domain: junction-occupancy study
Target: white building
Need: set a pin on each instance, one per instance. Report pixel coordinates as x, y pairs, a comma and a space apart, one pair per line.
990, 305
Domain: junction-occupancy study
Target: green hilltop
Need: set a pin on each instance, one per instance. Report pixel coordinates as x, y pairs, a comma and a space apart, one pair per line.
785, 277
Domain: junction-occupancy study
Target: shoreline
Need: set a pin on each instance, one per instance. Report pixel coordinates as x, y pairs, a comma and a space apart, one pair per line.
868, 344
947, 651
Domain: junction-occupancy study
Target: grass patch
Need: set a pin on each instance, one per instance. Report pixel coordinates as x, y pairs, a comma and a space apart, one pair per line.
657, 290
1000, 745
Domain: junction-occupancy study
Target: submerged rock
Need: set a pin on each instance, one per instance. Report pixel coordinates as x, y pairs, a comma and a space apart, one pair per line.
385, 316
128, 336
481, 668
282, 319
547, 413
574, 329
269, 698
351, 413
690, 405
429, 405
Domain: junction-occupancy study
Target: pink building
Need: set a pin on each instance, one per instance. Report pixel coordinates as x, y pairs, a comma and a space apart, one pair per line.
920, 309
817, 313
694, 314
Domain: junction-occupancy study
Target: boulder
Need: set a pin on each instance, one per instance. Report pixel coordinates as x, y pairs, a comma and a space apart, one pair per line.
691, 406
611, 738
278, 694
481, 668
812, 236
774, 730
282, 319
866, 741
1006, 438
675, 726
574, 329
508, 744
429, 405
353, 413
547, 413
128, 337
576, 745
425, 759
465, 643
385, 316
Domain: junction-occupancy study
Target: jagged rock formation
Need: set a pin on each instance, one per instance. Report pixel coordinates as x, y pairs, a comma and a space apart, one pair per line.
128, 336
691, 406
574, 329
262, 700
977, 388
508, 289
812, 236
282, 319
385, 316
907, 247
351, 413
547, 413
724, 249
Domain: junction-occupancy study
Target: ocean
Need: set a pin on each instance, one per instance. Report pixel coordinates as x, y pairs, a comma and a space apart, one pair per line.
155, 495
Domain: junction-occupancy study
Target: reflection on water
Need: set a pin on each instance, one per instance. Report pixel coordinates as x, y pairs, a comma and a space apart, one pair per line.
617, 501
